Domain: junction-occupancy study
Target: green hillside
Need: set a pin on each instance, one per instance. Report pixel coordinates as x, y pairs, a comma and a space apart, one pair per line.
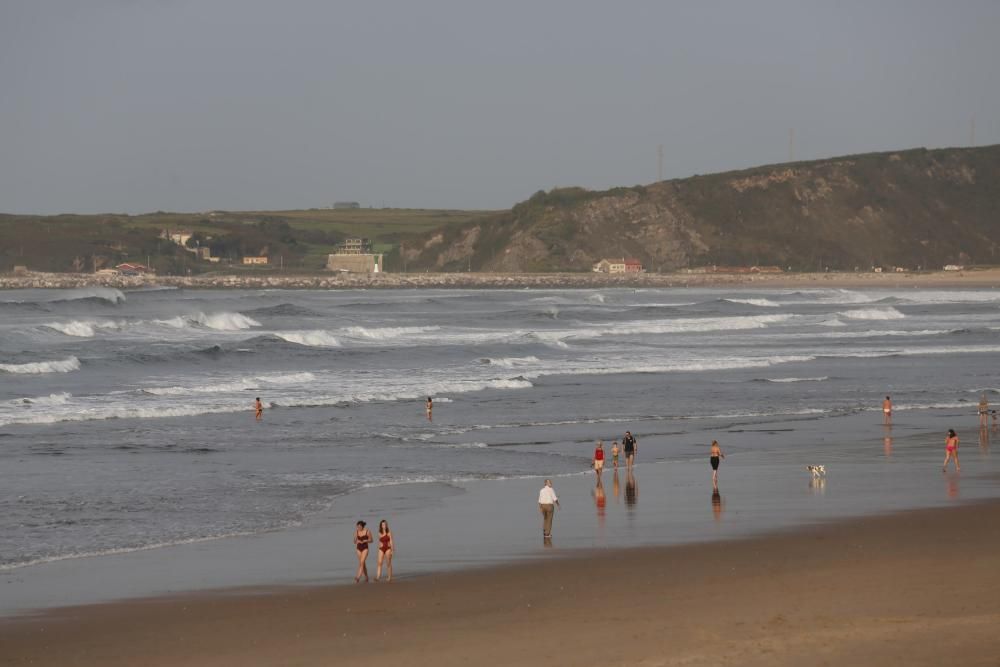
914, 208
300, 240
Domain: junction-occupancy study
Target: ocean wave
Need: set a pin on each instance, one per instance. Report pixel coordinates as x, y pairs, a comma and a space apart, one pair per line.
283, 310
888, 313
386, 333
511, 362
61, 398
107, 295
39, 367
310, 338
821, 378
84, 328
242, 384
762, 303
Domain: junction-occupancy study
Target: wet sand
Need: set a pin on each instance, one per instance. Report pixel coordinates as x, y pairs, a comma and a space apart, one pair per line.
916, 588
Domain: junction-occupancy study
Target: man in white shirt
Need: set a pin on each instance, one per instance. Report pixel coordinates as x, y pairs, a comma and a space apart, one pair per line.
547, 503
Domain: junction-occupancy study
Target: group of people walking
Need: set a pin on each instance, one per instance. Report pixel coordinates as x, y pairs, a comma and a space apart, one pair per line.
386, 547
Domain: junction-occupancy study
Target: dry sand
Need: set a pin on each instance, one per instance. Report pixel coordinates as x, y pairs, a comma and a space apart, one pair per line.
918, 588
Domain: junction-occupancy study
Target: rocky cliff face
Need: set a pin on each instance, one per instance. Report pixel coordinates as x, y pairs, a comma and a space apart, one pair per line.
916, 208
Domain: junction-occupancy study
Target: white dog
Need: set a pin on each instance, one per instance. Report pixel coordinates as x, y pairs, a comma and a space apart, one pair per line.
818, 472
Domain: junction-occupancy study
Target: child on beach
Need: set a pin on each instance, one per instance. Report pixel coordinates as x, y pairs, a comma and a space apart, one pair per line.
984, 411
598, 462
614, 447
951, 451
258, 409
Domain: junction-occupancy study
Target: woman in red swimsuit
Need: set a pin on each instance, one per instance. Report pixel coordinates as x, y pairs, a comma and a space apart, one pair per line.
362, 538
385, 549
951, 450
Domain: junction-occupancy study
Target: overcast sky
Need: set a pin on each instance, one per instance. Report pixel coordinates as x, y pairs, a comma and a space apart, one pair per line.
187, 105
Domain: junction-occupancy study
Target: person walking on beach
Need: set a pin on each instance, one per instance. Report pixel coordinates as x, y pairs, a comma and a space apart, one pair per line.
547, 504
430, 409
386, 547
984, 411
713, 458
598, 462
629, 445
614, 451
362, 538
951, 451
887, 412
258, 408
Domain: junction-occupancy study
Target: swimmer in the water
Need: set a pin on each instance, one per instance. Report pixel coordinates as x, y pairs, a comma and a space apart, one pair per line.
258, 408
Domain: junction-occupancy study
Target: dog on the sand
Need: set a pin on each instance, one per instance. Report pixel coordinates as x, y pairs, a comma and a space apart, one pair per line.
818, 472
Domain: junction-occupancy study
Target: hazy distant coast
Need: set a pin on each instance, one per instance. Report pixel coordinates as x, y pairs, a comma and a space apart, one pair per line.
974, 278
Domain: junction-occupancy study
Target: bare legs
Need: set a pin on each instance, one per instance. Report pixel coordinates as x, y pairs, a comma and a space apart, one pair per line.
387, 557
948, 455
362, 566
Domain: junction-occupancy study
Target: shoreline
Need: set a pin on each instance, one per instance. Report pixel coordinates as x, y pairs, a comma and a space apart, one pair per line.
869, 590
940, 279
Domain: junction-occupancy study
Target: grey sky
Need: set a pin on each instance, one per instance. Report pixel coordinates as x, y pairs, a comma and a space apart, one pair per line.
140, 105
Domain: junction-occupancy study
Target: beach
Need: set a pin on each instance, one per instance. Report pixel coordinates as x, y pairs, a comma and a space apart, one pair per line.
143, 498
916, 588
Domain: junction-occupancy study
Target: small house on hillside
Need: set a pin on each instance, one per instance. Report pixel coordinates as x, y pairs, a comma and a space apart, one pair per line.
255, 260
623, 265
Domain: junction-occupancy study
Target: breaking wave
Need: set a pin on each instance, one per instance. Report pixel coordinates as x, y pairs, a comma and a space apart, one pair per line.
872, 314
314, 338
39, 367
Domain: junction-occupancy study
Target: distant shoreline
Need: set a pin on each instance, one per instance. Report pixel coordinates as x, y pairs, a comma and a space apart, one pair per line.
940, 279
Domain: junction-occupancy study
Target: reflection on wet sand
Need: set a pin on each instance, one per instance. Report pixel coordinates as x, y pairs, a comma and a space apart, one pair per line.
718, 506
953, 489
600, 501
818, 485
631, 490
615, 487
887, 446
984, 440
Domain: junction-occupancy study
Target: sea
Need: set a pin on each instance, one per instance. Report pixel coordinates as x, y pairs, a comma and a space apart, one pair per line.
127, 422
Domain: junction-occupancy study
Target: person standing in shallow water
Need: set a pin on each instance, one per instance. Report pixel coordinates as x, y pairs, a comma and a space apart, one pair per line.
887, 412
984, 411
547, 504
430, 409
713, 458
951, 451
598, 463
258, 409
629, 445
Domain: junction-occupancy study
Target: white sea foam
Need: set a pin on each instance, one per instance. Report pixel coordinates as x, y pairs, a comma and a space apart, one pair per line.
512, 362
62, 398
39, 367
310, 338
821, 378
887, 313
225, 321
386, 333
763, 303
83, 328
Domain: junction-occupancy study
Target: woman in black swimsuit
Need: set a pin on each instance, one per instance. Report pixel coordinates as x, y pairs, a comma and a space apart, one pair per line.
362, 538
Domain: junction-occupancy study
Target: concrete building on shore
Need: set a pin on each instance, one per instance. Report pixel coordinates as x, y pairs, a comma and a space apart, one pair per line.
355, 255
623, 265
